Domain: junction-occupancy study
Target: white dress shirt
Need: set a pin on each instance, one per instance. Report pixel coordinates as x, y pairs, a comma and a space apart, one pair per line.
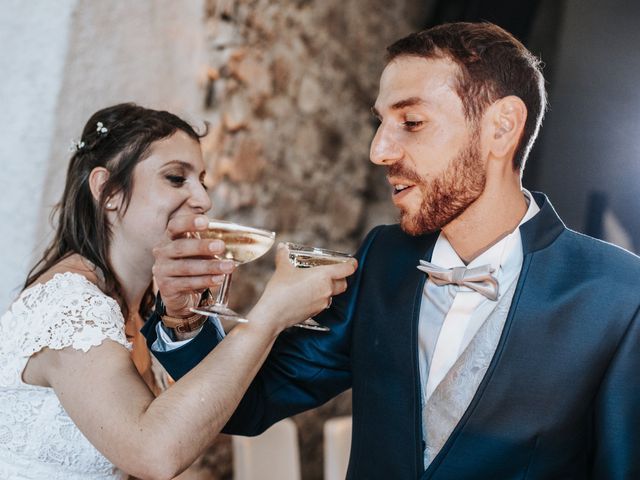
450, 315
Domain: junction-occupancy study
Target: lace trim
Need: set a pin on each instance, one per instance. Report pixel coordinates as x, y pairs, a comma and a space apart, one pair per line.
66, 311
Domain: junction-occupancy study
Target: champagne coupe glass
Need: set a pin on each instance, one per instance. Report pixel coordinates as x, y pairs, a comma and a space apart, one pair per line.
242, 244
303, 256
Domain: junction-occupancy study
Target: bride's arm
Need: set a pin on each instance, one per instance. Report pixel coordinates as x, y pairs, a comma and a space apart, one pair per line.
158, 438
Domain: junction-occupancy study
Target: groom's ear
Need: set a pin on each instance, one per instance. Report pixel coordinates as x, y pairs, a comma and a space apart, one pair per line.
505, 121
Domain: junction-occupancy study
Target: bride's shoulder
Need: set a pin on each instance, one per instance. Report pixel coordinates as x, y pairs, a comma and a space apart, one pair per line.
75, 269
71, 289
64, 306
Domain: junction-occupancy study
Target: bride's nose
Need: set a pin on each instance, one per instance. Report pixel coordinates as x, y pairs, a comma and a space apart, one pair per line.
199, 199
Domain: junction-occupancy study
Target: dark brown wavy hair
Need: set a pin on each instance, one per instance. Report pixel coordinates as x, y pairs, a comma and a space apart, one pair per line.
493, 64
82, 226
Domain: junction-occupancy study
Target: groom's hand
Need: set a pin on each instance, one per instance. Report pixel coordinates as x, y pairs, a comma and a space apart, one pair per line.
185, 266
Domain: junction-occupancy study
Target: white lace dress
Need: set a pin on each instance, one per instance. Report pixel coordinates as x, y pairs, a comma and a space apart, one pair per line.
38, 440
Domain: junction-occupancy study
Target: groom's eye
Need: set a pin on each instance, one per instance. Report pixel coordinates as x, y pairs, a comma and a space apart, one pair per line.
412, 124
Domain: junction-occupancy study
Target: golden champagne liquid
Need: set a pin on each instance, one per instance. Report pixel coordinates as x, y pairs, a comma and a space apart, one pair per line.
242, 244
303, 256
303, 260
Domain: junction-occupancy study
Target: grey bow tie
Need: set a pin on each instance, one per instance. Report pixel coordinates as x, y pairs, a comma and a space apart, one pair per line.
478, 278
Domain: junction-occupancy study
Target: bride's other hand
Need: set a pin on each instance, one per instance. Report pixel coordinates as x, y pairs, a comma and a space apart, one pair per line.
294, 294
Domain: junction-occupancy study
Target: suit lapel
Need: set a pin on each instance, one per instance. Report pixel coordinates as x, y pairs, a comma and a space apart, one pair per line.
415, 317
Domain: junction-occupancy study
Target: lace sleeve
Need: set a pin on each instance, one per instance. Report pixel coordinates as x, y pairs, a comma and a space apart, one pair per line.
67, 311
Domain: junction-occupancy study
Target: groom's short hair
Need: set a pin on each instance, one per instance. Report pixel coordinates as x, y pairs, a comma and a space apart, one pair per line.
492, 64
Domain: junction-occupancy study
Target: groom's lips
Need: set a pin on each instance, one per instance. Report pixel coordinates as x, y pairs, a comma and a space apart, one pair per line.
401, 188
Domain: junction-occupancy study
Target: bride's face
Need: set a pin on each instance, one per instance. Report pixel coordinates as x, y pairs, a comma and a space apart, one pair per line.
168, 183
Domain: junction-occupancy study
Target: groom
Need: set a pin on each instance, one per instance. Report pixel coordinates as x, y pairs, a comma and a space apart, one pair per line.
482, 338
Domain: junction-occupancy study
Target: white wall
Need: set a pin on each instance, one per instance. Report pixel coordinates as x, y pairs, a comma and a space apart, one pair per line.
34, 39
61, 61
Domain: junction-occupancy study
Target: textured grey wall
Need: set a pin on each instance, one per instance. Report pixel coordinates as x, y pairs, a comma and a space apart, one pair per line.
291, 87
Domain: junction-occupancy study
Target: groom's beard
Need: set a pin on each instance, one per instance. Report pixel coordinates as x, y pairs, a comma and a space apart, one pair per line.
445, 197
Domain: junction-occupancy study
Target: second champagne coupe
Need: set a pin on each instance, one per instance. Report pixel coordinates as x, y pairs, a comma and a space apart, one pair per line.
303, 256
242, 245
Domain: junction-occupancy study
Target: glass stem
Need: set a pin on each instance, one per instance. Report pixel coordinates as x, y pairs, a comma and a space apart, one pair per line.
223, 293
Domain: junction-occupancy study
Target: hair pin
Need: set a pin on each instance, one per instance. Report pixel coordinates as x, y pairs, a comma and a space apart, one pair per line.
76, 145
102, 130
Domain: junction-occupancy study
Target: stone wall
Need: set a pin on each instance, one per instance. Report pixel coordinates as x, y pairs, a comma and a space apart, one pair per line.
290, 88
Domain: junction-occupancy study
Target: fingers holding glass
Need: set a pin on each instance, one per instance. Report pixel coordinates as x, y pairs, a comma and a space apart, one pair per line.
302, 256
196, 257
242, 244
185, 266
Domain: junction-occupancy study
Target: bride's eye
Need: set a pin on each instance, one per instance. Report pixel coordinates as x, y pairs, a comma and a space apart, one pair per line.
176, 180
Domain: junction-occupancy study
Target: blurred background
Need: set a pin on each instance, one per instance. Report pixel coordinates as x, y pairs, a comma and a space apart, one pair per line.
286, 87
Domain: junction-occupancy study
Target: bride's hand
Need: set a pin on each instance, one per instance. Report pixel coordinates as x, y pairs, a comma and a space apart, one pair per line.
294, 294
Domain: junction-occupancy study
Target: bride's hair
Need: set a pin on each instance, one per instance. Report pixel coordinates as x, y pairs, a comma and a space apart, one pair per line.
116, 138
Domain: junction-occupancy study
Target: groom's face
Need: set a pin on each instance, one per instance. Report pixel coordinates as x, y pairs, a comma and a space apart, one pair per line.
430, 149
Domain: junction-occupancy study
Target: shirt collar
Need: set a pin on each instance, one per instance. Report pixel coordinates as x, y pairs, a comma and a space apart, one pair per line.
498, 255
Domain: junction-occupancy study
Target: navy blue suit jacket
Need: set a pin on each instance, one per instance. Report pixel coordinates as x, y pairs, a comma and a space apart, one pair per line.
561, 397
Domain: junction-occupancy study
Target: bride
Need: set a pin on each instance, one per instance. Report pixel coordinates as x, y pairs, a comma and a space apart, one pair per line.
72, 403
